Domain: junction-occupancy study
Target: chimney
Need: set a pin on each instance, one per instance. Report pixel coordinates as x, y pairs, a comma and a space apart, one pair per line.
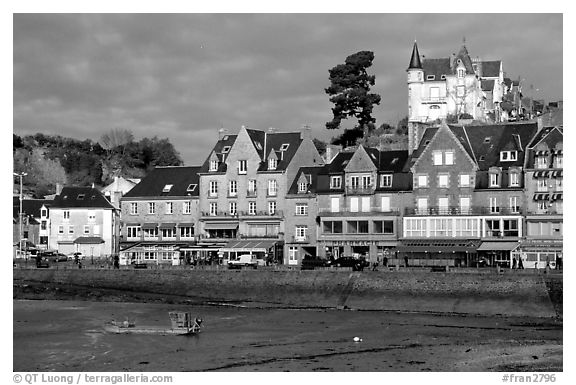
58, 188
331, 152
222, 133
452, 60
306, 132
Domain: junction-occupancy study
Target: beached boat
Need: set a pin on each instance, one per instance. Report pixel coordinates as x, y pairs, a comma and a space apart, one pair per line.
181, 324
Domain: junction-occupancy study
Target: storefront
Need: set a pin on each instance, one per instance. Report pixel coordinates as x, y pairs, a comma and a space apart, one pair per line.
438, 252
537, 254
371, 250
499, 253
265, 250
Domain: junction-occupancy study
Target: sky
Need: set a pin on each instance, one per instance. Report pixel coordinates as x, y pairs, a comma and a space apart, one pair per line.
185, 76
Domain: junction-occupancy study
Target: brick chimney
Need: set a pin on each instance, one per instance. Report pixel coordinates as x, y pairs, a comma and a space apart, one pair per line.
59, 188
222, 133
306, 132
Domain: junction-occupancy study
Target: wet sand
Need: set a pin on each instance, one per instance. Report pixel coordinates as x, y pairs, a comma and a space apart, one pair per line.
68, 335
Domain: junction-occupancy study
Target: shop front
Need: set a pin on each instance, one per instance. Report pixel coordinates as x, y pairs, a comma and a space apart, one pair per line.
437, 252
537, 254
266, 251
499, 253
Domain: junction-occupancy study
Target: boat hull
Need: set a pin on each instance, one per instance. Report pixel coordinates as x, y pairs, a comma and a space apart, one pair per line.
149, 330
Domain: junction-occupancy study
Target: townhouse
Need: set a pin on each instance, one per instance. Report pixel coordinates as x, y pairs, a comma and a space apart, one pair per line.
160, 217
35, 226
243, 184
360, 197
468, 194
544, 199
83, 220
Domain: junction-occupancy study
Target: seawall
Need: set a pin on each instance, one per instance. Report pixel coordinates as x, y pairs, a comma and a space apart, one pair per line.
470, 293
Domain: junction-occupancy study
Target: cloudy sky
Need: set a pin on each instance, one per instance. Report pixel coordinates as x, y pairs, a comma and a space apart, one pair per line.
183, 76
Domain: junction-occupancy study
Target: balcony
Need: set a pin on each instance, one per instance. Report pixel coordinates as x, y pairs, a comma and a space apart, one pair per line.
300, 239
264, 214
345, 211
360, 190
218, 214
456, 210
434, 99
265, 236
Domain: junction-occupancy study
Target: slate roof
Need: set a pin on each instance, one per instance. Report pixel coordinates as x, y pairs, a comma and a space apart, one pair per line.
30, 207
180, 177
550, 135
436, 67
415, 58
273, 143
81, 197
226, 141
314, 173
465, 57
491, 69
488, 85
257, 138
552, 118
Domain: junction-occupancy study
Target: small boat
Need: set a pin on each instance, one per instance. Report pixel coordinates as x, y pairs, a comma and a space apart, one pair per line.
182, 324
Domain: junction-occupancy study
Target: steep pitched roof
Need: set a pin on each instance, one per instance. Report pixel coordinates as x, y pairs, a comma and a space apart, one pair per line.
312, 175
179, 178
426, 138
436, 67
29, 206
487, 141
257, 138
465, 57
290, 141
339, 162
491, 69
227, 141
552, 118
488, 85
81, 197
389, 161
415, 58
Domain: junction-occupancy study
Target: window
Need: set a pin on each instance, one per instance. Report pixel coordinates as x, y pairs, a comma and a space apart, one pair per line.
242, 167
302, 187
133, 208
213, 208
232, 208
354, 204
449, 158
460, 91
542, 185
511, 228
284, 147
332, 227
357, 227
252, 208
272, 163
43, 225
335, 182
151, 233
508, 156
301, 209
232, 188
542, 161
168, 232
514, 180
365, 204
301, 233
226, 149
464, 180
422, 180
494, 180
60, 229
494, 208
385, 204
464, 205
422, 205
443, 205
133, 231
213, 188
252, 187
514, 206
559, 161
384, 227
169, 208
187, 208
443, 180
431, 77
440, 227
44, 213
186, 232
86, 229
542, 205
386, 180
272, 187
366, 181
167, 188
151, 207
559, 184
415, 227
271, 207
70, 229
191, 187
292, 255
91, 216
461, 73
80, 197
354, 181
334, 204
437, 155
214, 165
66, 214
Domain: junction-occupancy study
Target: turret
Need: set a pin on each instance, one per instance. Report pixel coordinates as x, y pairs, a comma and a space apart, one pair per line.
415, 91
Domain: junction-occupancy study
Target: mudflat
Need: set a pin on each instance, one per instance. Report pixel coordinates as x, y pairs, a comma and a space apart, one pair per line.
68, 335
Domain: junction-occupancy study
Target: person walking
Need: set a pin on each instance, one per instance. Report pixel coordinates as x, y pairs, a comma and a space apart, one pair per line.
406, 261
520, 264
514, 263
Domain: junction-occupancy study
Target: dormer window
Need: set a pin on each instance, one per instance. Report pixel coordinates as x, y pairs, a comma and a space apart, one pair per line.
272, 163
226, 150
284, 147
302, 187
167, 188
214, 165
508, 156
225, 138
80, 197
494, 179
487, 139
514, 179
430, 77
258, 146
335, 182
442, 77
191, 187
386, 180
461, 72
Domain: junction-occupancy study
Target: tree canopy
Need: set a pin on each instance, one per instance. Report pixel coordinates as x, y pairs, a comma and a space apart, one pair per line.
349, 90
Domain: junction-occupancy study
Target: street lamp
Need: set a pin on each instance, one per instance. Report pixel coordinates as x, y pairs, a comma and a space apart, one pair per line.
20, 175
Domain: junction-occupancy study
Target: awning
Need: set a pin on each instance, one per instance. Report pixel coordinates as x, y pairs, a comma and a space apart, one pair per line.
149, 225
557, 196
244, 245
541, 153
541, 197
167, 225
88, 240
557, 152
540, 245
132, 224
220, 226
540, 174
438, 246
498, 246
186, 225
557, 174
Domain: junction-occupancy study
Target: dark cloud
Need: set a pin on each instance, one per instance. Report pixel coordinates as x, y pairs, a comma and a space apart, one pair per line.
183, 76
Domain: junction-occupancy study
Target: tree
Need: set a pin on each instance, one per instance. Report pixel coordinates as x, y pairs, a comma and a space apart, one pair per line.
116, 140
320, 145
349, 91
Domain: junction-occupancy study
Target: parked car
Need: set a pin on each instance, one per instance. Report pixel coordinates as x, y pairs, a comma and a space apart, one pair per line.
245, 260
310, 263
357, 264
72, 256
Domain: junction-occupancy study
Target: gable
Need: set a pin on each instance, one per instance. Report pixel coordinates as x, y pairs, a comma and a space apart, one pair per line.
361, 161
243, 149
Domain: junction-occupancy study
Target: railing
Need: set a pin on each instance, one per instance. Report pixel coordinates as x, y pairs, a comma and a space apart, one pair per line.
300, 239
549, 211
454, 210
218, 214
434, 99
267, 236
361, 190
327, 211
277, 213
501, 234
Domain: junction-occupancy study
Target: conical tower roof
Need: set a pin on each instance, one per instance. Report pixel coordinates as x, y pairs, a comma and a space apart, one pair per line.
415, 59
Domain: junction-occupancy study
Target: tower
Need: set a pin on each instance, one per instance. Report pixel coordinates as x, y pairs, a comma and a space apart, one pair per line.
415, 81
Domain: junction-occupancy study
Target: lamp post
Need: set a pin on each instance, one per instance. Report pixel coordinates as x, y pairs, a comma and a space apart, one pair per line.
20, 175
